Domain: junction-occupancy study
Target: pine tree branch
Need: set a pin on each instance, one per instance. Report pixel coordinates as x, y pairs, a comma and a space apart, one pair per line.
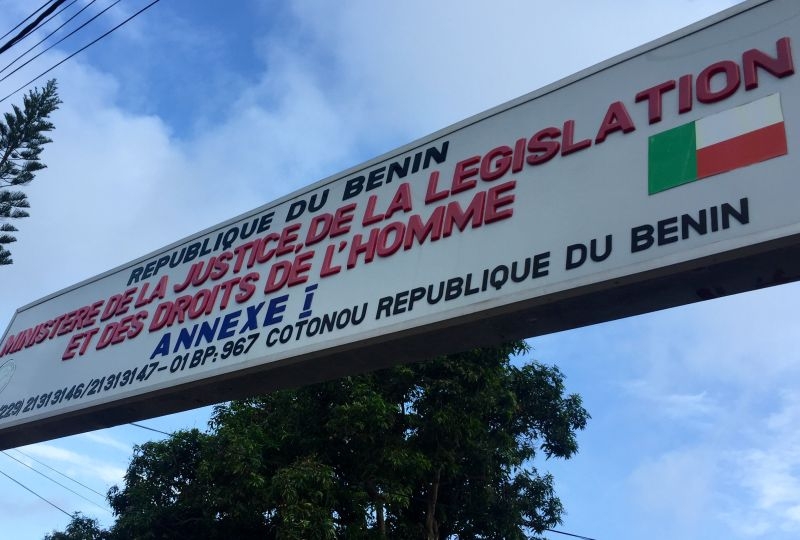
22, 139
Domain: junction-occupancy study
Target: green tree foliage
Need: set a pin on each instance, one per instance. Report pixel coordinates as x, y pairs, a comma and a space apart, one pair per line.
166, 490
80, 528
22, 136
440, 449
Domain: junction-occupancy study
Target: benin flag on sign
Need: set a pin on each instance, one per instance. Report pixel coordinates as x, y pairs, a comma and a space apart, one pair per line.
715, 144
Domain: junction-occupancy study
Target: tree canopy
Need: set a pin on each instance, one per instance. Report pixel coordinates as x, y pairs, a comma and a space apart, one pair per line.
440, 449
80, 528
22, 137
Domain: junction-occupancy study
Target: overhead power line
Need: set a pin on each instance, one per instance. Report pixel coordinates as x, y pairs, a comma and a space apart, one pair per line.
51, 68
26, 18
54, 44
152, 429
54, 505
58, 472
569, 534
51, 33
31, 27
56, 482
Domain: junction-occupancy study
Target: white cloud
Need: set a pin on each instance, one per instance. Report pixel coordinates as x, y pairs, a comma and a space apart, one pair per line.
744, 474
75, 464
766, 470
697, 406
106, 440
418, 66
675, 489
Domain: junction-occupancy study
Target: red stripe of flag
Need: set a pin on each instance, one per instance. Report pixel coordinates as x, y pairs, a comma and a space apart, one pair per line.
759, 145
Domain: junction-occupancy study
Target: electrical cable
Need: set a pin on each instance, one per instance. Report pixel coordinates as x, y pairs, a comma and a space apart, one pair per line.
26, 18
56, 482
58, 472
56, 14
54, 505
51, 33
31, 27
51, 68
152, 429
50, 18
569, 534
56, 43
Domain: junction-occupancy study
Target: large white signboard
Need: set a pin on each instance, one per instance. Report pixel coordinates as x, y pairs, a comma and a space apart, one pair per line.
627, 177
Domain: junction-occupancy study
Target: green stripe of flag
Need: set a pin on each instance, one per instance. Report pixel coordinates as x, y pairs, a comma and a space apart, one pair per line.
672, 158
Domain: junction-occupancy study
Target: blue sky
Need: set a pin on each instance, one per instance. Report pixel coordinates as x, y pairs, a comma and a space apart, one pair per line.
196, 113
